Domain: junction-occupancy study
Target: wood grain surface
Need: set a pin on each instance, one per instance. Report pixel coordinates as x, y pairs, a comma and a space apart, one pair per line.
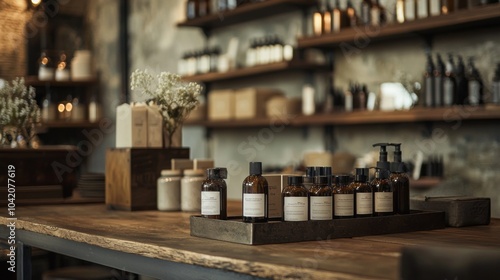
165, 235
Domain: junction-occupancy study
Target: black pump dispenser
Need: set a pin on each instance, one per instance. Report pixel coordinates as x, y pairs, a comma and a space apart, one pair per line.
382, 162
397, 165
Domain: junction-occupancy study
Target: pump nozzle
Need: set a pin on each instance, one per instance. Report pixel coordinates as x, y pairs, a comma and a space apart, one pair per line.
382, 163
397, 165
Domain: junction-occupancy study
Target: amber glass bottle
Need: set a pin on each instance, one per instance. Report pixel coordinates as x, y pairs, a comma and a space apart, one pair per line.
343, 198
295, 200
400, 182
363, 194
320, 199
214, 194
255, 195
383, 196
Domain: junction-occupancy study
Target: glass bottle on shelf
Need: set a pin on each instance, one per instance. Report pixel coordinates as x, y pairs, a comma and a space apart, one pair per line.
447, 6
351, 14
191, 9
475, 96
363, 193
255, 195
45, 70
410, 10
429, 82
320, 199
62, 71
462, 83
327, 19
95, 110
365, 12
422, 9
214, 194
434, 7
378, 16
438, 81
343, 198
48, 109
203, 8
495, 86
317, 19
400, 11
383, 193
449, 83
339, 18
295, 200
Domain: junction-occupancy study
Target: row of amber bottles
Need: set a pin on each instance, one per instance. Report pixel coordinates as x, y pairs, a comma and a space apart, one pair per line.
384, 195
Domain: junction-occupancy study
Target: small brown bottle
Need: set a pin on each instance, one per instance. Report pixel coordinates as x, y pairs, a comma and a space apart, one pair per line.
214, 194
255, 195
383, 193
363, 194
295, 200
320, 199
343, 198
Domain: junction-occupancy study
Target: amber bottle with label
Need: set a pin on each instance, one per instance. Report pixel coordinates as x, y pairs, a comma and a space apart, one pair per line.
383, 194
343, 198
363, 194
295, 200
255, 195
320, 199
214, 194
400, 182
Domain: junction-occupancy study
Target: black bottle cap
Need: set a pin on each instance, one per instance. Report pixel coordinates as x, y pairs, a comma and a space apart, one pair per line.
321, 180
323, 171
343, 180
217, 173
361, 174
295, 180
382, 163
255, 168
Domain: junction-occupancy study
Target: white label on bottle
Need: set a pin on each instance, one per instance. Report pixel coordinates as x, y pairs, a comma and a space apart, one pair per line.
474, 92
344, 204
384, 202
321, 208
295, 209
364, 203
435, 8
410, 10
422, 9
254, 205
210, 203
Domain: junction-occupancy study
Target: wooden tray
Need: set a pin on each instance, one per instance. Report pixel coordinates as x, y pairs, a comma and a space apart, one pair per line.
234, 230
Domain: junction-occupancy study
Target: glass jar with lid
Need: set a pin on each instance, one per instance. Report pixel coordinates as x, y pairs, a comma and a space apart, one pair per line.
190, 190
169, 190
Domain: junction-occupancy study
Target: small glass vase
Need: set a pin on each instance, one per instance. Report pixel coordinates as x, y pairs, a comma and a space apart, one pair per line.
172, 142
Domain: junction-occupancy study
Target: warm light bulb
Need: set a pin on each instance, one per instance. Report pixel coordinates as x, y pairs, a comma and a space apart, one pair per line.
60, 108
69, 107
36, 2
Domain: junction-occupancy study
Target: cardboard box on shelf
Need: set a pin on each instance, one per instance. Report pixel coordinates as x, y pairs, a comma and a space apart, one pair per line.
131, 126
155, 127
251, 102
221, 105
281, 106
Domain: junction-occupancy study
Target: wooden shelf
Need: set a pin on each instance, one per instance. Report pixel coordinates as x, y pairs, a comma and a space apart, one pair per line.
35, 82
478, 16
67, 124
255, 71
246, 13
450, 115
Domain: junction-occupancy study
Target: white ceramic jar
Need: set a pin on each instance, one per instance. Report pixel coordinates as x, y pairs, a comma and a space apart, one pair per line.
191, 190
169, 190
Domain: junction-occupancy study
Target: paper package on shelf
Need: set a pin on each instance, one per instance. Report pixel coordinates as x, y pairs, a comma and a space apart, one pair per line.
131, 126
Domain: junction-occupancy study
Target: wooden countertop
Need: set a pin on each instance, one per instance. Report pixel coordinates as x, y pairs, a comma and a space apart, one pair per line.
164, 235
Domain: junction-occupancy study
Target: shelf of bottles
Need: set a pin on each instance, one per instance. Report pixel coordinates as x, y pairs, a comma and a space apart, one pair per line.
333, 26
208, 14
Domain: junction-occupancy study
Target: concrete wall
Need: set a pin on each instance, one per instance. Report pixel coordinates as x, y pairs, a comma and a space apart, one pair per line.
469, 147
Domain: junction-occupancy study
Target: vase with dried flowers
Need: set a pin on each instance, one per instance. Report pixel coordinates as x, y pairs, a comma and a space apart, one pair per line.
174, 98
19, 114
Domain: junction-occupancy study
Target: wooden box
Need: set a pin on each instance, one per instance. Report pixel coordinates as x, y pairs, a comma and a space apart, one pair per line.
234, 230
251, 102
131, 175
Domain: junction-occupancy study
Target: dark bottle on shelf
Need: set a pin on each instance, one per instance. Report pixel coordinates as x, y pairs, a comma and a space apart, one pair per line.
475, 83
255, 195
400, 182
320, 199
203, 8
383, 197
377, 14
438, 82
460, 4
365, 12
343, 198
495, 87
429, 82
191, 9
214, 194
363, 193
295, 200
447, 6
351, 14
449, 83
462, 83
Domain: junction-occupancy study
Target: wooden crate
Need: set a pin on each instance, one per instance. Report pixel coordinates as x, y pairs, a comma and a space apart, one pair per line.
234, 230
131, 175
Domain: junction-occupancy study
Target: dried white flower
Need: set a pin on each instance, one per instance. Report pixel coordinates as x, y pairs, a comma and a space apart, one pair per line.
175, 99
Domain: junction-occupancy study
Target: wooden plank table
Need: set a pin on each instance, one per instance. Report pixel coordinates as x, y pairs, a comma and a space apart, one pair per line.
158, 243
